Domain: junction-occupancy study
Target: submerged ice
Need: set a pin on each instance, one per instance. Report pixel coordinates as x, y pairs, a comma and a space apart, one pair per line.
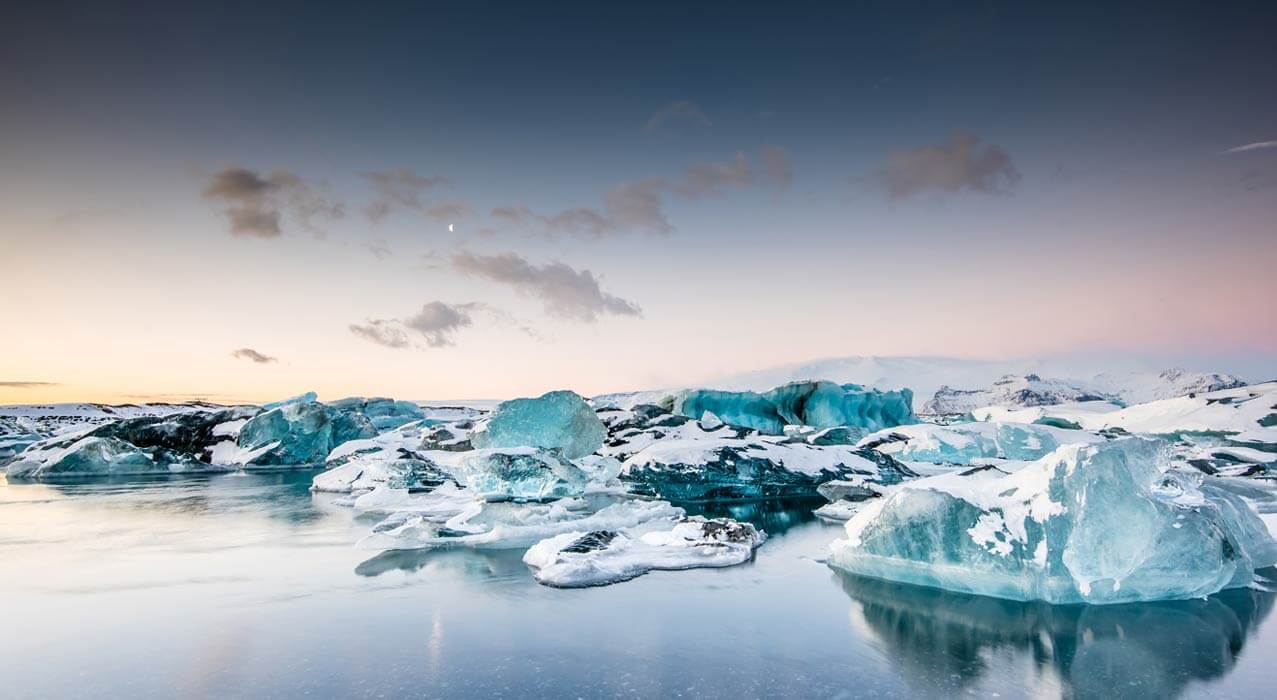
1102, 523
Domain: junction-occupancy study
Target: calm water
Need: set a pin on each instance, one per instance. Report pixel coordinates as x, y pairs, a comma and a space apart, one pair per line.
250, 586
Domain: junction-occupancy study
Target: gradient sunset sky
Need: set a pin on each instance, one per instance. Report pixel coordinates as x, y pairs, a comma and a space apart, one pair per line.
246, 201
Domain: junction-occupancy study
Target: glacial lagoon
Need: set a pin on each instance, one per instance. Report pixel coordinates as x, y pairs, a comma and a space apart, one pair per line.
224, 586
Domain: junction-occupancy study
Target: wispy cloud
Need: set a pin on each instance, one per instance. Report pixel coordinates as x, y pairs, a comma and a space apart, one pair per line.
565, 292
436, 323
402, 189
253, 356
1257, 146
962, 163
778, 167
26, 385
254, 203
684, 111
640, 206
387, 332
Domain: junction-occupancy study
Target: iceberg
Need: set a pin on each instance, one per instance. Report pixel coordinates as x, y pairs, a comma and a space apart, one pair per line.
967, 443
308, 397
383, 413
601, 557
757, 468
819, 404
522, 473
558, 420
87, 455
299, 433
1101, 523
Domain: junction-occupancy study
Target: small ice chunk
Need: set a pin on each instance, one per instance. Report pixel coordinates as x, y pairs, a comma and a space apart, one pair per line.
600, 557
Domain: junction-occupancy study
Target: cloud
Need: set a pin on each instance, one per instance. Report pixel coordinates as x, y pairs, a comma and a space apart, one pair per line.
680, 111
637, 206
778, 168
254, 203
566, 292
960, 164
26, 385
1257, 146
404, 189
435, 323
253, 356
383, 332
708, 178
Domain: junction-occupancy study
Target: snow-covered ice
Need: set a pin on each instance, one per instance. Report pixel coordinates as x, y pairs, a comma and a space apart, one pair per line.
600, 557
1103, 523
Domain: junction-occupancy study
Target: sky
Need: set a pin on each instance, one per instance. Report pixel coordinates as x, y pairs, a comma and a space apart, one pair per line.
482, 200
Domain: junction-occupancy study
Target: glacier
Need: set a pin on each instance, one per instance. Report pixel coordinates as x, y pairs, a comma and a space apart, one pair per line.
559, 420
601, 557
1101, 523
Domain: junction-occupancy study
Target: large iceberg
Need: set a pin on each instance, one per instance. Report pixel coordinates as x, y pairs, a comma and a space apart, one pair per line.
300, 433
761, 467
558, 420
819, 404
671, 456
1086, 524
600, 557
383, 413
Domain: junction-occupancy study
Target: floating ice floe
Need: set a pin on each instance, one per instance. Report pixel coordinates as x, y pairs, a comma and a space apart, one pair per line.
509, 525
599, 557
1099, 523
965, 443
557, 420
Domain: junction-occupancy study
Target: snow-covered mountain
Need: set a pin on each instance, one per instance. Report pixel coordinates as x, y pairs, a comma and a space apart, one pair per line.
1127, 389
1136, 387
1026, 391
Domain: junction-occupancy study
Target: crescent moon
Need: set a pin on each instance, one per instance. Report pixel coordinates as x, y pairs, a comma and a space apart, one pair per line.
450, 228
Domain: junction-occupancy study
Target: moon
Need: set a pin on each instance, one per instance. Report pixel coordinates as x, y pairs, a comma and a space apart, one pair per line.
450, 228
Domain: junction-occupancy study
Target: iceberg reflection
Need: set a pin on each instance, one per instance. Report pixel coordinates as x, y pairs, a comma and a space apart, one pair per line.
936, 639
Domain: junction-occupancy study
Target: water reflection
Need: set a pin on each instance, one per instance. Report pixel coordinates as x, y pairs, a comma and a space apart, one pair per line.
940, 641
471, 564
775, 517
